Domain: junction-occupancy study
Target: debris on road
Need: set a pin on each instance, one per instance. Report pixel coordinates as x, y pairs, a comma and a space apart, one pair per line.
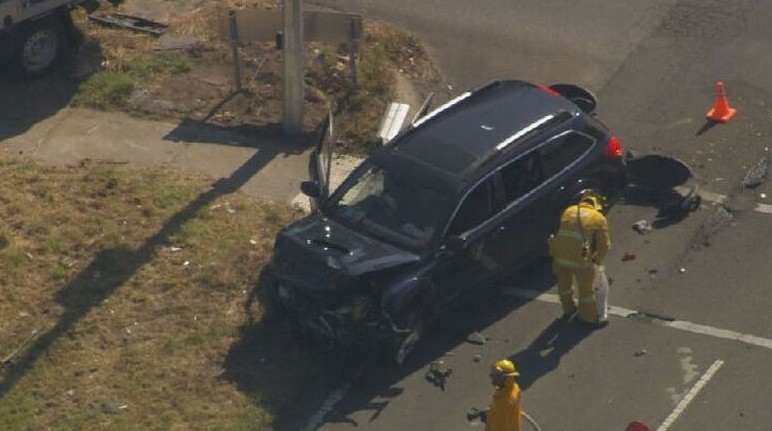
628, 256
642, 227
474, 415
438, 374
681, 270
640, 353
476, 338
657, 173
758, 172
477, 358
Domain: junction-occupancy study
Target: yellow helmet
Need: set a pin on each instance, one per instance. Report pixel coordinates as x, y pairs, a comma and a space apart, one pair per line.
593, 200
506, 368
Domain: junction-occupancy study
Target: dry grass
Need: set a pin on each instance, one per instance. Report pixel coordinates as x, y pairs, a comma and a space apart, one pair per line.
137, 79
140, 285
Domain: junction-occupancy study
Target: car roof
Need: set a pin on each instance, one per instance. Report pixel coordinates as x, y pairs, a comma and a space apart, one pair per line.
477, 126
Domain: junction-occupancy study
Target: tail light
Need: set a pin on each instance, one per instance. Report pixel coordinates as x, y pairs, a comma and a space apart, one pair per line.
613, 148
548, 90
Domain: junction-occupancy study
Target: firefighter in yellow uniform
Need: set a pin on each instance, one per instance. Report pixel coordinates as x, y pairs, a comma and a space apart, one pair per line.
506, 410
582, 240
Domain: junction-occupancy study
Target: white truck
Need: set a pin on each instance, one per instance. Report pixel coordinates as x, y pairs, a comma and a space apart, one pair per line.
34, 34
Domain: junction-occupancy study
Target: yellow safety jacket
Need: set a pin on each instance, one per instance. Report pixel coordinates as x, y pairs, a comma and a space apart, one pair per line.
583, 237
505, 413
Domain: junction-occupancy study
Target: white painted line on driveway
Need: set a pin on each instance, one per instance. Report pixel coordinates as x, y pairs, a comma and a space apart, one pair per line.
675, 324
720, 199
687, 399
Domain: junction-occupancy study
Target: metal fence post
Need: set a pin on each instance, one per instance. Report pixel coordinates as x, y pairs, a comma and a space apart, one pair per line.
234, 32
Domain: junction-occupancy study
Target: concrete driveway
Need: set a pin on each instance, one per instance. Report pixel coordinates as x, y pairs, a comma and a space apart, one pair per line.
73, 134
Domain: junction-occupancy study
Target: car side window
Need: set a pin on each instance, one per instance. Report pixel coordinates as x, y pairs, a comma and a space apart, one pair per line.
563, 150
520, 177
478, 206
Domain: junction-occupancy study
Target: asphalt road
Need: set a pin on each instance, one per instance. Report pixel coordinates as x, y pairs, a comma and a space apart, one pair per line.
696, 355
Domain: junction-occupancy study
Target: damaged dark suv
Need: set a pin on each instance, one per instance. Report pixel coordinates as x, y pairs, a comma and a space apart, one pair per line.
463, 197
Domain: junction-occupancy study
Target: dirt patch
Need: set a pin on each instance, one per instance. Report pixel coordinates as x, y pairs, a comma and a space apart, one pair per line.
188, 74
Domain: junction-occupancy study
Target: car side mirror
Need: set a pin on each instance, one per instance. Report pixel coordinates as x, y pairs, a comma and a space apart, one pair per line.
311, 189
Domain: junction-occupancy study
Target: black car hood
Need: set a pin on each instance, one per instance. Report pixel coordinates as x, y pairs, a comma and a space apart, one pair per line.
339, 248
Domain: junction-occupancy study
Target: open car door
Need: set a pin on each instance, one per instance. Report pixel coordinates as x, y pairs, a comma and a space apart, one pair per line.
424, 109
320, 164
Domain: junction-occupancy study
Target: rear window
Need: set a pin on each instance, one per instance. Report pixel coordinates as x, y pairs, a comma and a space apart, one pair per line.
563, 150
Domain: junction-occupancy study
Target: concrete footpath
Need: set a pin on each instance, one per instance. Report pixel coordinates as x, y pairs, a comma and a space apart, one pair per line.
275, 164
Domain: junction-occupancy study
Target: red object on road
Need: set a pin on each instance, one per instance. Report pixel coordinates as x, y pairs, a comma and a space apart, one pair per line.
637, 426
628, 256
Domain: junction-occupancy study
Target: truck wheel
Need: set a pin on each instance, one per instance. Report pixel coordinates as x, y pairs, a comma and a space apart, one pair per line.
39, 46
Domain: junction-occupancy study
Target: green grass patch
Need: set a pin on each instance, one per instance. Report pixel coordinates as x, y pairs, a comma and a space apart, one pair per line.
112, 87
105, 88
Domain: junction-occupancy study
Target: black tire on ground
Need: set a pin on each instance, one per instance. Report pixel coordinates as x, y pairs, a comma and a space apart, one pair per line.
39, 46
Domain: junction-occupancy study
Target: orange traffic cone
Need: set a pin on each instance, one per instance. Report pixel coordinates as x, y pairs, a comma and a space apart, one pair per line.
721, 111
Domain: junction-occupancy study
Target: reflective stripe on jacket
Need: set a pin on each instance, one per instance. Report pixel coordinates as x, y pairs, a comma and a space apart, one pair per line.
566, 246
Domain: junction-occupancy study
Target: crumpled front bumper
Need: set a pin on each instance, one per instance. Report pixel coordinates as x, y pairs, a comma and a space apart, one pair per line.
329, 328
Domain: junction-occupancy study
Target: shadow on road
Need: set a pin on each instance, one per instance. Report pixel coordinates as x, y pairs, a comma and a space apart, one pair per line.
25, 103
372, 392
189, 130
545, 351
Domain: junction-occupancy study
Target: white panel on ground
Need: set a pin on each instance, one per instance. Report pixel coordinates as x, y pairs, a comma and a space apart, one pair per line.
393, 120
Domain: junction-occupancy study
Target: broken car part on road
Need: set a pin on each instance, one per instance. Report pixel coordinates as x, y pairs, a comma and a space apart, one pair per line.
657, 180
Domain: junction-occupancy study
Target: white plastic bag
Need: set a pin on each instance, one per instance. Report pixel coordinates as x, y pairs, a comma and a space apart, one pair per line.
601, 292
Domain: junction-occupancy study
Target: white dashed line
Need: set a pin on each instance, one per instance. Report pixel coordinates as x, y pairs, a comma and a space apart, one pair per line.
690, 395
675, 324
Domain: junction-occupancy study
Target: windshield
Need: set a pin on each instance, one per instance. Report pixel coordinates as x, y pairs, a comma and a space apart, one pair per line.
390, 207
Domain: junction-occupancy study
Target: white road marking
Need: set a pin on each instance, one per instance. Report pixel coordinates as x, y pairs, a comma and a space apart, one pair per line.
687, 399
720, 199
675, 324
763, 208
329, 404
